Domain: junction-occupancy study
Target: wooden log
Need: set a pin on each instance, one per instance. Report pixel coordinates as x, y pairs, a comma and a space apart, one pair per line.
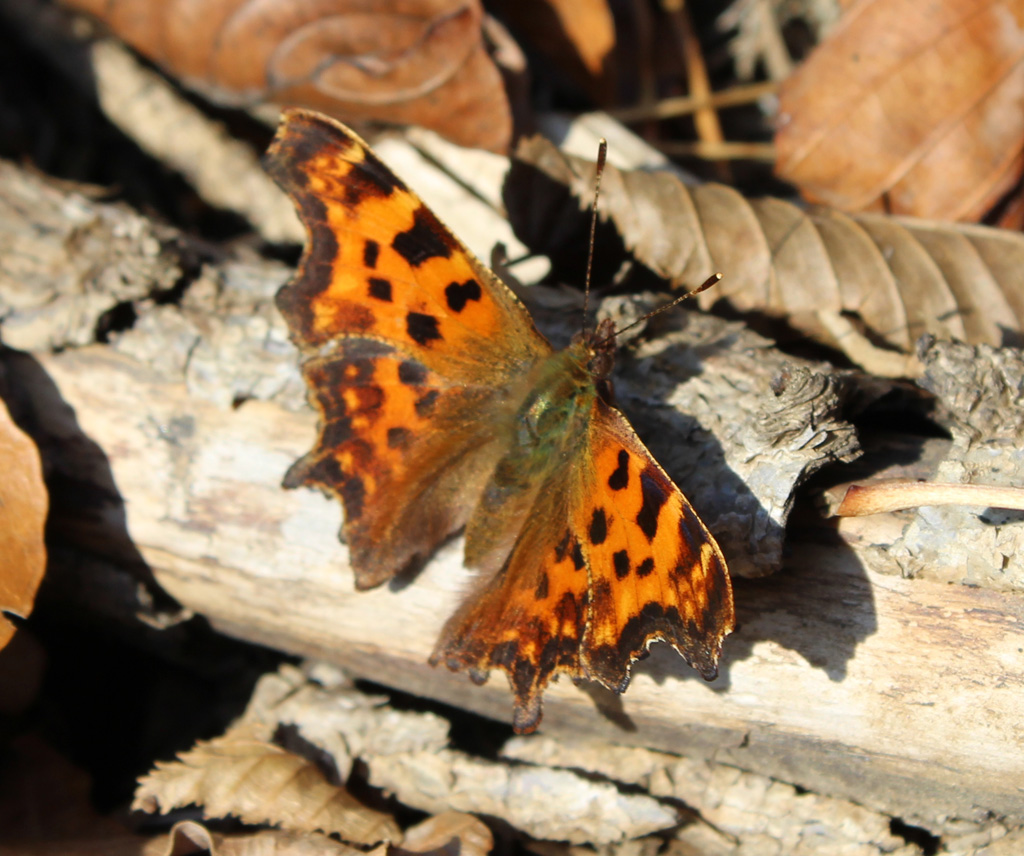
903, 695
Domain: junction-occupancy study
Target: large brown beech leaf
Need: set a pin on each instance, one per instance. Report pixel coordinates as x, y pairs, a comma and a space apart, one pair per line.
860, 282
240, 774
403, 61
23, 507
909, 106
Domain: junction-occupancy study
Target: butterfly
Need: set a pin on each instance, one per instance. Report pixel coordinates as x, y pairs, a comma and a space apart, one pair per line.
443, 408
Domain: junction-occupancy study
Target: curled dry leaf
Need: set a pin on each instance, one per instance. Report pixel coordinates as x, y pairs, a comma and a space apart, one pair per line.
452, 831
259, 782
23, 507
863, 283
419, 61
448, 834
909, 105
188, 837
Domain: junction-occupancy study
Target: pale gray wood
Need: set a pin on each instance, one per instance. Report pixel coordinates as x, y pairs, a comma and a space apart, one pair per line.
900, 694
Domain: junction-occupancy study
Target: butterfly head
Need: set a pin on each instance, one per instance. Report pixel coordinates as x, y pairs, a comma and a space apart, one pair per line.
600, 345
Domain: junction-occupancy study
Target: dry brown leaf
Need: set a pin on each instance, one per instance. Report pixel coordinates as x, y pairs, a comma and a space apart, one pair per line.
417, 61
189, 837
23, 507
452, 832
914, 102
448, 834
238, 775
852, 281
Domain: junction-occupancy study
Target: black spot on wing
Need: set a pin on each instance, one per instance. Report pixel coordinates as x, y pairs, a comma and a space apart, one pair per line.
654, 497
370, 179
329, 378
541, 591
380, 289
598, 527
619, 479
399, 437
422, 328
425, 403
411, 374
371, 252
562, 547
524, 678
336, 431
458, 295
548, 660
577, 556
645, 567
426, 239
504, 653
690, 527
571, 613
620, 561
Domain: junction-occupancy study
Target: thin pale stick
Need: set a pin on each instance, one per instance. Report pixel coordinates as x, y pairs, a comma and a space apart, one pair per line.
705, 119
720, 151
683, 105
861, 500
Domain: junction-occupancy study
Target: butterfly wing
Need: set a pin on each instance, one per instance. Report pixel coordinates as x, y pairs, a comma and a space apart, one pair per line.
413, 348
380, 265
611, 558
656, 572
529, 618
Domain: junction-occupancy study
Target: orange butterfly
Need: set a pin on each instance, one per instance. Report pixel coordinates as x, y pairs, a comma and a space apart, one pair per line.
442, 407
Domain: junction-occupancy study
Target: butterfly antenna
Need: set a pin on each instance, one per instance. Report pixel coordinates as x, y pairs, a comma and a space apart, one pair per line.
602, 151
710, 281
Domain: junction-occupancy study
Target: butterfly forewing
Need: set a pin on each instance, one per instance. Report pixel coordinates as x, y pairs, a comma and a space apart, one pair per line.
410, 342
380, 265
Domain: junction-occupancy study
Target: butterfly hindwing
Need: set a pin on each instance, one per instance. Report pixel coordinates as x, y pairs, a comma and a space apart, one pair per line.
610, 558
529, 618
656, 572
405, 453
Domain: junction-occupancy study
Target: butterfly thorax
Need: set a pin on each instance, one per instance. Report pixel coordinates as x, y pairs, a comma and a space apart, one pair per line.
551, 422
562, 389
